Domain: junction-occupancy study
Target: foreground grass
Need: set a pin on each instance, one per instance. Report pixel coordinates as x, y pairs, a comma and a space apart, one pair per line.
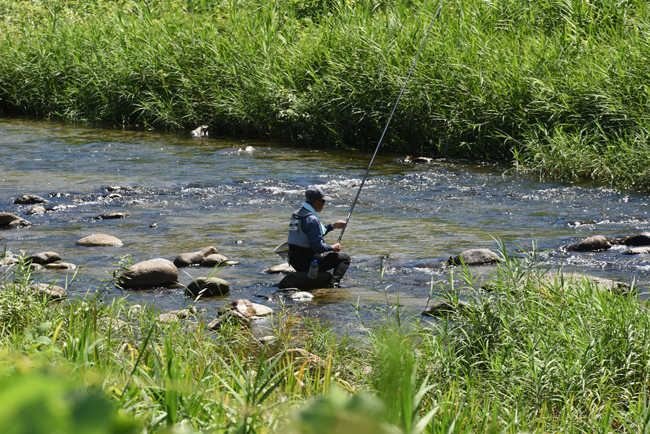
556, 87
538, 355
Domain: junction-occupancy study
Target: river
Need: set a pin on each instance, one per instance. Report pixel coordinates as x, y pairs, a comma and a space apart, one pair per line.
237, 195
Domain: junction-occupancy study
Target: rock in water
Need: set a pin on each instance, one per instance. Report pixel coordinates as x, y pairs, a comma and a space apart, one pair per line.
194, 258
149, 274
300, 280
439, 308
213, 260
638, 251
208, 287
283, 268
8, 220
29, 199
642, 239
52, 291
475, 257
99, 240
45, 258
597, 243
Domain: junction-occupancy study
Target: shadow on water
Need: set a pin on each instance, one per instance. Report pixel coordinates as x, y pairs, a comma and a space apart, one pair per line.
183, 193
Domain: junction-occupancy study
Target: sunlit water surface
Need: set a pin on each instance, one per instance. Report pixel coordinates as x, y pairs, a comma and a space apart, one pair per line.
237, 195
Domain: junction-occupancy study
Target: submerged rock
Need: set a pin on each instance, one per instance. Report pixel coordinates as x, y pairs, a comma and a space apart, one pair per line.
37, 209
194, 258
439, 308
45, 258
597, 243
240, 312
294, 294
638, 251
149, 274
8, 220
208, 287
300, 280
475, 257
213, 260
642, 239
29, 199
60, 266
113, 215
99, 240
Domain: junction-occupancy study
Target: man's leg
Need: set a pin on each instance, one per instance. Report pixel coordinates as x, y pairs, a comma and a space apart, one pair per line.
334, 260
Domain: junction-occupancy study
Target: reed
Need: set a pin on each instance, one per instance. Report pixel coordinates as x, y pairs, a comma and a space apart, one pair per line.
555, 87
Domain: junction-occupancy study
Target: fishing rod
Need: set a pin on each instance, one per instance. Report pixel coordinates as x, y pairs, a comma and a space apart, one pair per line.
408, 77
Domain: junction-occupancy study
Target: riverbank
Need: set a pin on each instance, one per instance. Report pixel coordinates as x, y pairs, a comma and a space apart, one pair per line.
538, 355
552, 90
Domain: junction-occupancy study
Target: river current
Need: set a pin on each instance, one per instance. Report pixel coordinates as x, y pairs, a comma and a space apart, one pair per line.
237, 195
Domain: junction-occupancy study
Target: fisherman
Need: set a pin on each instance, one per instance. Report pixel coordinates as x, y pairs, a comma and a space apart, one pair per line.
306, 239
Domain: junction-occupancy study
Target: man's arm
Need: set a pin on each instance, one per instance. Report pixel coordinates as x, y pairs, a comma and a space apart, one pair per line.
311, 227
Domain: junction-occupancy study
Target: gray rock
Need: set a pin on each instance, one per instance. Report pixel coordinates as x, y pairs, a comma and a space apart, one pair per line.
207, 287
148, 274
185, 313
230, 317
213, 260
168, 318
439, 308
283, 268
37, 209
194, 258
29, 199
8, 220
638, 251
60, 266
300, 280
642, 239
8, 261
52, 291
231, 263
567, 280
250, 309
475, 257
597, 243
45, 258
99, 240
294, 294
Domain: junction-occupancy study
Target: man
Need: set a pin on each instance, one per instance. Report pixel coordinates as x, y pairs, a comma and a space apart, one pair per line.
306, 243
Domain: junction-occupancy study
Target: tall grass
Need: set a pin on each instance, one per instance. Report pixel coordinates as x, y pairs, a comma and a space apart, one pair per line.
556, 86
542, 353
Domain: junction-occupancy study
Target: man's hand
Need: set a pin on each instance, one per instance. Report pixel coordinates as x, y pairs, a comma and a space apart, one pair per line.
339, 224
336, 247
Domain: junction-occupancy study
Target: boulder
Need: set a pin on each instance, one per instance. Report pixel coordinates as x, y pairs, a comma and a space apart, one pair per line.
148, 274
300, 280
439, 308
37, 209
213, 260
168, 318
52, 291
60, 266
250, 309
185, 313
207, 287
637, 251
194, 258
283, 268
642, 239
475, 257
228, 316
597, 243
29, 199
8, 220
99, 240
45, 258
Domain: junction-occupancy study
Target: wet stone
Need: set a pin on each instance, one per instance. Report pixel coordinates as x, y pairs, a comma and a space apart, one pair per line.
45, 258
194, 258
280, 268
642, 239
440, 308
99, 240
208, 287
248, 308
8, 220
638, 251
597, 243
60, 266
113, 215
168, 318
28, 199
300, 280
213, 260
149, 274
475, 257
37, 209
52, 291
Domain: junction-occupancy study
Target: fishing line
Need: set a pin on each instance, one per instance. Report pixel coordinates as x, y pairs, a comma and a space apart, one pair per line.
408, 77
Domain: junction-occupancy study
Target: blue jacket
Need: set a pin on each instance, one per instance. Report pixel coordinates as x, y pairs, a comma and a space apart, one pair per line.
311, 226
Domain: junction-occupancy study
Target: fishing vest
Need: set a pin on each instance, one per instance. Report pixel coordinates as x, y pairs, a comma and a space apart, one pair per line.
296, 235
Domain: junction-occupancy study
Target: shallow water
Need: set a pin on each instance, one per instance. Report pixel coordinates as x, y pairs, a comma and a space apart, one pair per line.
238, 194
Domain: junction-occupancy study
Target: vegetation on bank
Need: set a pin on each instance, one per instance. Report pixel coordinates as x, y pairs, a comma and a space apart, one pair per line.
535, 355
557, 87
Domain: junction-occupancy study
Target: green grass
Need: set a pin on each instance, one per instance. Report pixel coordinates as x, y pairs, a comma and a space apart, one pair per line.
535, 355
556, 87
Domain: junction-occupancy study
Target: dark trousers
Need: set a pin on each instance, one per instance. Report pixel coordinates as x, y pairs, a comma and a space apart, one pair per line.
337, 261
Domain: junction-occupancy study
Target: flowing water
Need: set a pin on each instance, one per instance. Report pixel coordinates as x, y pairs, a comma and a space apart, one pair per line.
237, 195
